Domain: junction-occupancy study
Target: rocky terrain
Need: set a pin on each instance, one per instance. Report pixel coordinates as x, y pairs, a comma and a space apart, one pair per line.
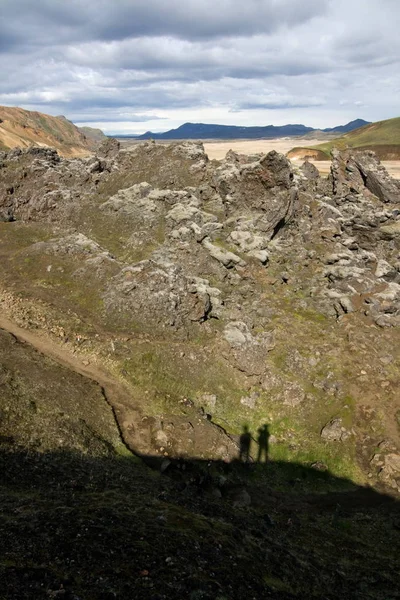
155, 303
24, 128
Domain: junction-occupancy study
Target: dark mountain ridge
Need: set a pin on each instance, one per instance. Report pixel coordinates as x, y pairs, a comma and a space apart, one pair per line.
351, 126
204, 131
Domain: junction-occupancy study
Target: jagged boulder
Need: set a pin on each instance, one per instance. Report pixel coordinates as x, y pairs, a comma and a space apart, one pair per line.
356, 172
309, 170
264, 185
109, 148
377, 180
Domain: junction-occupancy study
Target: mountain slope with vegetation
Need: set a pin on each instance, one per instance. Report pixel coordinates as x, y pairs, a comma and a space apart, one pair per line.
383, 137
23, 128
94, 134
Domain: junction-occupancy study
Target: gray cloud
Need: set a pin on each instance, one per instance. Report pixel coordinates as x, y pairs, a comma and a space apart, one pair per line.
56, 21
257, 62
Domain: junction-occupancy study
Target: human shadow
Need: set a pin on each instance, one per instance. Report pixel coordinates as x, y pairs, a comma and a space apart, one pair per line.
263, 443
244, 445
245, 442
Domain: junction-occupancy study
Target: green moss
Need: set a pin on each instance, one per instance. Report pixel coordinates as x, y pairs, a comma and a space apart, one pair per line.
166, 378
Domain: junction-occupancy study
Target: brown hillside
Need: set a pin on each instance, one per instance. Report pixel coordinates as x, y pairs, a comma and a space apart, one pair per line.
24, 128
306, 153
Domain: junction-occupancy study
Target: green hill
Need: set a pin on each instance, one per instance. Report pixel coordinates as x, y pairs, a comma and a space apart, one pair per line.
383, 137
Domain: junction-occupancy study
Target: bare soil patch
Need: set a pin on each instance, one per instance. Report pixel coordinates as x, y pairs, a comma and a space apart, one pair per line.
217, 150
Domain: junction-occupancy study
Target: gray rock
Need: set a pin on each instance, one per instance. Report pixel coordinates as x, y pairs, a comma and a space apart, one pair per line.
250, 401
309, 170
356, 171
192, 150
377, 179
261, 184
225, 257
109, 148
247, 241
237, 334
261, 255
384, 269
334, 431
346, 304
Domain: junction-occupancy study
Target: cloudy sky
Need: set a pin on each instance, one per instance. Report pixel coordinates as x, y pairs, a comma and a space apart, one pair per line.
129, 66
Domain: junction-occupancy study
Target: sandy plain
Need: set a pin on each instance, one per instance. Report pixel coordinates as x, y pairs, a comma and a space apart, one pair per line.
217, 150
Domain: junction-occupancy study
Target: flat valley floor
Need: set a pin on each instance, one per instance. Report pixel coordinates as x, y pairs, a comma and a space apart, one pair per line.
217, 150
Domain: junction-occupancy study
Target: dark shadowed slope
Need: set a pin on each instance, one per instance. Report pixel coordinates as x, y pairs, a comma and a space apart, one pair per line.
76, 526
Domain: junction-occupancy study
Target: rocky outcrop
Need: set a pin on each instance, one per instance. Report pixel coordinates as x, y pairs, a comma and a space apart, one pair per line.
158, 292
38, 184
375, 177
361, 271
335, 432
245, 287
309, 170
264, 186
355, 172
109, 148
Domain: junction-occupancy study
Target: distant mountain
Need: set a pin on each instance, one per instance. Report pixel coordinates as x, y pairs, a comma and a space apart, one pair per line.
23, 128
383, 137
203, 131
346, 128
94, 135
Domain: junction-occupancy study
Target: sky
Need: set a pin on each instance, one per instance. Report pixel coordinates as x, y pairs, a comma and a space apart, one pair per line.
130, 66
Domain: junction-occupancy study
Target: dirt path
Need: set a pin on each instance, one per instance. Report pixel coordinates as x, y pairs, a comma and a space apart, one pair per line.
128, 417
138, 431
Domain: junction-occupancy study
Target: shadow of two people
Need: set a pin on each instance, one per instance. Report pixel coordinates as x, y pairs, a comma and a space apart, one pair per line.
262, 440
